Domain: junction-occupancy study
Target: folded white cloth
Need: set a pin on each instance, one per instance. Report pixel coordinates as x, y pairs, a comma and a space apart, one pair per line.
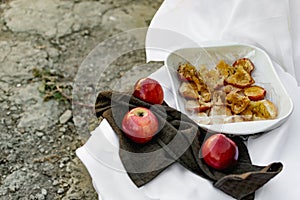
271, 25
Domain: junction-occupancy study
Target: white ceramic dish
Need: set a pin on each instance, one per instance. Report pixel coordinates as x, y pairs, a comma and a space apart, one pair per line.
264, 74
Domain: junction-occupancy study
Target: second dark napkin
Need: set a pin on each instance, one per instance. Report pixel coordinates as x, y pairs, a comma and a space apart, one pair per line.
179, 140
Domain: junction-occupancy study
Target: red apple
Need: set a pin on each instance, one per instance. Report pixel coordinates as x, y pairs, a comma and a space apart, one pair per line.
149, 90
220, 152
140, 125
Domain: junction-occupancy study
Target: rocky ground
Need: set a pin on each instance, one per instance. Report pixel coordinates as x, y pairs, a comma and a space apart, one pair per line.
42, 46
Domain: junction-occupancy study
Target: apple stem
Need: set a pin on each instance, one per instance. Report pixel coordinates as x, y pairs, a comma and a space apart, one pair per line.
140, 114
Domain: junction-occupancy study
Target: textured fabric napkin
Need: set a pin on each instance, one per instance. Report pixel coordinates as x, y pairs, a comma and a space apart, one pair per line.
179, 140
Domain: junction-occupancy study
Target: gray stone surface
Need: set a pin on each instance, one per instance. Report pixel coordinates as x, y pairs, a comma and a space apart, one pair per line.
65, 117
53, 18
42, 46
18, 58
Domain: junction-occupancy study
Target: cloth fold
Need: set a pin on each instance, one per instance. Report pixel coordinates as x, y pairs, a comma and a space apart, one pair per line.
179, 140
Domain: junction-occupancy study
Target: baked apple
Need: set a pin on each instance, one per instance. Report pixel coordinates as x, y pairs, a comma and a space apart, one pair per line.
246, 63
186, 72
237, 102
240, 78
255, 93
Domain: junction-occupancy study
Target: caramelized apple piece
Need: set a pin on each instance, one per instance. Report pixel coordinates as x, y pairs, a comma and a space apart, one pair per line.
247, 113
196, 106
240, 78
224, 69
263, 109
196, 82
255, 93
202, 88
246, 63
188, 90
237, 102
186, 72
212, 78
230, 88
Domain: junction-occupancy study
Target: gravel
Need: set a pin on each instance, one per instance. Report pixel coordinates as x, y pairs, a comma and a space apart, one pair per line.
42, 46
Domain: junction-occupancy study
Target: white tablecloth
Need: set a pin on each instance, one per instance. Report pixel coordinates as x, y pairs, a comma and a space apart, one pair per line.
204, 20
271, 25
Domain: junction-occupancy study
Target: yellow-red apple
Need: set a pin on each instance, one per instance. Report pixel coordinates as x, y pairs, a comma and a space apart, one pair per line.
140, 125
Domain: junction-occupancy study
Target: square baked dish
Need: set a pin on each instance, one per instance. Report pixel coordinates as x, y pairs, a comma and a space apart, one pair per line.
228, 88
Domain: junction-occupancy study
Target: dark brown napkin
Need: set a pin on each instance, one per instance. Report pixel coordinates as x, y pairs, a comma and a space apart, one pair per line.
179, 140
